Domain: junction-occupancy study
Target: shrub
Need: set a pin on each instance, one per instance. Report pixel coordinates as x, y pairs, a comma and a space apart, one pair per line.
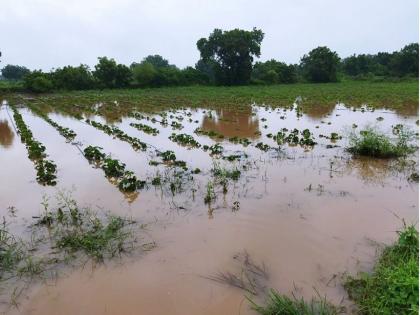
38, 82
375, 144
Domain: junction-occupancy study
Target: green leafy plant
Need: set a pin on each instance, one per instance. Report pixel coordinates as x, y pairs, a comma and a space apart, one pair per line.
376, 144
393, 286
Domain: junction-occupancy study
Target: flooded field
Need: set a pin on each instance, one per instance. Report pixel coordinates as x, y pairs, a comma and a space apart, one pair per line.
231, 203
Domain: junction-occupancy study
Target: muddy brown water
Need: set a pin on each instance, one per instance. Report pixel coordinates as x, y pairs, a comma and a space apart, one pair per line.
308, 215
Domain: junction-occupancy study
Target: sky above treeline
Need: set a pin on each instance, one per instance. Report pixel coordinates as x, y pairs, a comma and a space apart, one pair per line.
46, 34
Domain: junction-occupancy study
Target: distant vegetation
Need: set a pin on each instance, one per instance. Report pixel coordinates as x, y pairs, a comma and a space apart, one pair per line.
226, 58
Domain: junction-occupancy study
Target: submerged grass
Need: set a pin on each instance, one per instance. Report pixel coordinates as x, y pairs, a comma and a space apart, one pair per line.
393, 287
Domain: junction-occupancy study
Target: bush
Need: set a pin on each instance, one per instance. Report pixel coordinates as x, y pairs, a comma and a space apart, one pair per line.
393, 287
375, 144
38, 82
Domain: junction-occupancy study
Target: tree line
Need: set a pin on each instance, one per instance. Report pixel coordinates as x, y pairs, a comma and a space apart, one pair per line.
226, 58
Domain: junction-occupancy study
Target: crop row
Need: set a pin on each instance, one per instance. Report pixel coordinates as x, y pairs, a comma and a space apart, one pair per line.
65, 132
118, 133
145, 128
46, 170
126, 180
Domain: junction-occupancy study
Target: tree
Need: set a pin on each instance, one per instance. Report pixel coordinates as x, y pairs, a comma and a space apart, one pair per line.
13, 72
273, 71
110, 74
123, 76
406, 61
320, 65
157, 61
232, 53
144, 73
73, 78
190, 76
38, 82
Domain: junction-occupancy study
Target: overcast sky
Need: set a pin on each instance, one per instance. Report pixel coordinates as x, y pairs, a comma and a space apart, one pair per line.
45, 34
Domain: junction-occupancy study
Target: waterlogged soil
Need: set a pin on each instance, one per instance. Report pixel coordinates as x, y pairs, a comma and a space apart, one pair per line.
308, 214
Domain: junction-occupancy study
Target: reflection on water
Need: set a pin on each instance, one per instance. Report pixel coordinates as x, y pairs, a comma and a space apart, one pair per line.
232, 123
6, 134
318, 111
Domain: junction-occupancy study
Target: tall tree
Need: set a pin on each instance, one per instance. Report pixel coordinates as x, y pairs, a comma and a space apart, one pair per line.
110, 74
231, 53
320, 65
13, 72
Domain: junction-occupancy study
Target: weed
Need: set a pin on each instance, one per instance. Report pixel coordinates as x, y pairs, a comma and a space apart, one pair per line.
393, 287
278, 304
210, 195
375, 144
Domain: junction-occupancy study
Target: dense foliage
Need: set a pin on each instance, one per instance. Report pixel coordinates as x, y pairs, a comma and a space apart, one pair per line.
13, 72
231, 54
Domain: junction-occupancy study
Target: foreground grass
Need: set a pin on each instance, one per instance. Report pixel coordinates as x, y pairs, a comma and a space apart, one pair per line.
373, 143
66, 235
278, 304
402, 96
393, 287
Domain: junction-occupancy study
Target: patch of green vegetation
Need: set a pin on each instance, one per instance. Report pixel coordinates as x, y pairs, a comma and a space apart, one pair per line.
215, 149
126, 180
293, 138
211, 133
46, 170
244, 141
145, 128
394, 95
210, 194
12, 251
393, 286
278, 304
373, 143
262, 146
167, 156
185, 139
94, 154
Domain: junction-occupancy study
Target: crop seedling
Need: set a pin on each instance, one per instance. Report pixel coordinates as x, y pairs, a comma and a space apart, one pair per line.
145, 128
94, 154
185, 140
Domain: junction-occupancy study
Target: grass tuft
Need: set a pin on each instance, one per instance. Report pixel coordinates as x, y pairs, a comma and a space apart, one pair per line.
279, 304
393, 287
376, 144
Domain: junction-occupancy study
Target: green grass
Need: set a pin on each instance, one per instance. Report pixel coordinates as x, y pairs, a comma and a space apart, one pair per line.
393, 286
402, 96
278, 304
373, 143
